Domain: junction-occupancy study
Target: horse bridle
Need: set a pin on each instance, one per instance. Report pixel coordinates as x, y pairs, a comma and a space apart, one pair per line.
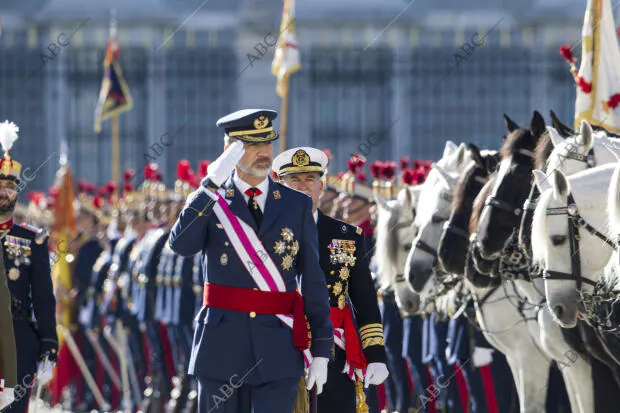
575, 221
423, 246
493, 201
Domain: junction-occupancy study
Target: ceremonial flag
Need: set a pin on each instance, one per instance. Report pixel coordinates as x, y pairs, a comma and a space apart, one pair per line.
286, 58
598, 79
114, 97
62, 235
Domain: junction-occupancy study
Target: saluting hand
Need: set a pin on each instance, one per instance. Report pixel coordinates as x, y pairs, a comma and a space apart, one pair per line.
220, 169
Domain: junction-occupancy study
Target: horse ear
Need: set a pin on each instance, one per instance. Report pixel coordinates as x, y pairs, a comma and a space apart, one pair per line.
537, 125
556, 139
461, 154
449, 149
381, 201
444, 176
560, 185
585, 138
510, 124
474, 151
562, 129
541, 181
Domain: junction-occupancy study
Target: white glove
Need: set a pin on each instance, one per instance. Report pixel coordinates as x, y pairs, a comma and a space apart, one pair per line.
317, 374
482, 356
220, 169
376, 373
45, 372
7, 397
448, 353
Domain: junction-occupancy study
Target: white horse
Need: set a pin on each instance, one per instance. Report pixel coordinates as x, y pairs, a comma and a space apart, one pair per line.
500, 320
570, 155
572, 262
578, 152
611, 275
394, 235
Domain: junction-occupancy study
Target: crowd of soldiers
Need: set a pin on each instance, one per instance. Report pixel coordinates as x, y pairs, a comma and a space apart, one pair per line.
131, 310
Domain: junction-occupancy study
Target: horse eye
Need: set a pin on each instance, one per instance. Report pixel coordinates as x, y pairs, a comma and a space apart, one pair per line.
408, 246
558, 240
437, 219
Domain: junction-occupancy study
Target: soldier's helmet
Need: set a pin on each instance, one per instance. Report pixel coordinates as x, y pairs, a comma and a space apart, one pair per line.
9, 167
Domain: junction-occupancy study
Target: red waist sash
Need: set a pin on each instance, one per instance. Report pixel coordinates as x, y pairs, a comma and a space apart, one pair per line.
261, 302
353, 350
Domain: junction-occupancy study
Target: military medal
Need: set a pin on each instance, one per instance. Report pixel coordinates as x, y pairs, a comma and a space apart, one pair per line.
276, 194
13, 274
287, 262
224, 259
230, 193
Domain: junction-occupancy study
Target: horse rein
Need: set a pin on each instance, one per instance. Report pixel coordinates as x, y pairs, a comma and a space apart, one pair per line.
575, 221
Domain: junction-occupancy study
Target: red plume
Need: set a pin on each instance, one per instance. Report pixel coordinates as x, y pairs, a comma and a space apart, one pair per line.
361, 177
356, 162
567, 53
183, 169
404, 162
110, 187
128, 175
128, 187
81, 186
202, 168
409, 176
149, 171
98, 201
389, 170
376, 169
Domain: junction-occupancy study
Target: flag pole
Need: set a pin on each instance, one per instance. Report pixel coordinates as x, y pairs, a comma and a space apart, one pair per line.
284, 116
115, 151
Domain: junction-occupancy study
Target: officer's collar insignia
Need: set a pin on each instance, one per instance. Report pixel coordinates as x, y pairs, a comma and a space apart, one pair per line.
344, 229
276, 194
230, 193
220, 226
358, 231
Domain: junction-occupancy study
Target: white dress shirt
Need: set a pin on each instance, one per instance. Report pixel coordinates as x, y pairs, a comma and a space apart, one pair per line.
315, 215
243, 186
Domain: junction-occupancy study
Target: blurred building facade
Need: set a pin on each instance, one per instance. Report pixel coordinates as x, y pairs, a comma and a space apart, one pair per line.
388, 80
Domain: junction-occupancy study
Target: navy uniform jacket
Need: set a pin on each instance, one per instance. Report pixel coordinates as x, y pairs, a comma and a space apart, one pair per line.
197, 281
229, 342
183, 304
146, 269
114, 303
89, 313
86, 257
27, 264
165, 267
353, 280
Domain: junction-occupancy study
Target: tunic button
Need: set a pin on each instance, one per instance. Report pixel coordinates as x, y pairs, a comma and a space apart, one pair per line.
252, 314
332, 272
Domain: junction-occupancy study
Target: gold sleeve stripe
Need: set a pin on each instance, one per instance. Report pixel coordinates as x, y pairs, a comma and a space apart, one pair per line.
375, 341
371, 336
372, 332
369, 326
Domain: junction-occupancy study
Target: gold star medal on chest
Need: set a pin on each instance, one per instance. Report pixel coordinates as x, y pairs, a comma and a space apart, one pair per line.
287, 246
13, 274
17, 249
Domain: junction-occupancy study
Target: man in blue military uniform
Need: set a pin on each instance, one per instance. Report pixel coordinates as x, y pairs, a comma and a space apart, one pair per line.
260, 238
27, 264
343, 258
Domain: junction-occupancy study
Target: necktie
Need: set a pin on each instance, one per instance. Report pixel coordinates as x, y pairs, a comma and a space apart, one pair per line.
257, 214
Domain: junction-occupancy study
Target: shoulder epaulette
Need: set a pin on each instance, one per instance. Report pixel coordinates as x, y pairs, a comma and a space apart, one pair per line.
40, 235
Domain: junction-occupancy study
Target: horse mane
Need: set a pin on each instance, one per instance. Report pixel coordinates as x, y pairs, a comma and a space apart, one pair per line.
387, 240
543, 151
458, 197
479, 203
